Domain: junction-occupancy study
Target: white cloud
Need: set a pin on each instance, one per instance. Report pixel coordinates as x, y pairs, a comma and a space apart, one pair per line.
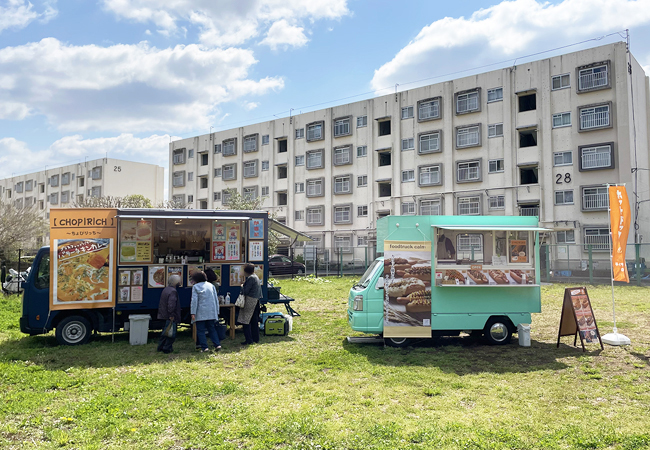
18, 14
129, 88
249, 106
508, 29
282, 34
226, 23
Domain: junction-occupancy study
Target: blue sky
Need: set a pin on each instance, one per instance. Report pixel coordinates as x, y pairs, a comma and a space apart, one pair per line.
81, 79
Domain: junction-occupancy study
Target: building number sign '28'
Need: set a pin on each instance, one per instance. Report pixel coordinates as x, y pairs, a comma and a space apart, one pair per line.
558, 178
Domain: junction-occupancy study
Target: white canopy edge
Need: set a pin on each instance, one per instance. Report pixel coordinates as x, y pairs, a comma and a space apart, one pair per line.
149, 216
294, 235
490, 228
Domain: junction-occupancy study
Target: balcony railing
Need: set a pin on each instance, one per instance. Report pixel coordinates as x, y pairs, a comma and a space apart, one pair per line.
595, 160
468, 138
595, 201
598, 243
530, 211
593, 80
594, 120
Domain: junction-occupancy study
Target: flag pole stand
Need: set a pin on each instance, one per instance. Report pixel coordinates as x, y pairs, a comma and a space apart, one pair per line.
614, 338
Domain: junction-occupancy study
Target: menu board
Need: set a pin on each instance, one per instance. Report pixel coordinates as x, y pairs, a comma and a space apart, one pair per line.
156, 276
578, 318
518, 251
218, 250
135, 241
256, 250
256, 229
175, 270
130, 285
477, 275
237, 276
190, 271
233, 245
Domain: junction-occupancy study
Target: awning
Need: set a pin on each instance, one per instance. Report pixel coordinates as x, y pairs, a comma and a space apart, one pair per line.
490, 228
149, 216
294, 235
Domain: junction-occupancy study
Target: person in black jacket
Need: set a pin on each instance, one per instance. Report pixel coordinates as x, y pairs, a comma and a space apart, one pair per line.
169, 309
249, 315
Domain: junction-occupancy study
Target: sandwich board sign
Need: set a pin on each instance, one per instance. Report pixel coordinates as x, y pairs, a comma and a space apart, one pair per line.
578, 318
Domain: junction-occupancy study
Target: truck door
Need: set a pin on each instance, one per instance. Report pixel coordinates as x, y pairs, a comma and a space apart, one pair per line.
36, 298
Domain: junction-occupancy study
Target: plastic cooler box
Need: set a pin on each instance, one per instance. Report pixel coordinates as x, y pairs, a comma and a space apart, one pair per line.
138, 328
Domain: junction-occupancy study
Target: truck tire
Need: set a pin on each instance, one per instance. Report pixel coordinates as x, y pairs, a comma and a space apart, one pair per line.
398, 342
73, 330
497, 331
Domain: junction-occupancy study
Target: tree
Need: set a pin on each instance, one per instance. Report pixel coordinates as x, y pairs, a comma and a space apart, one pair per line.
239, 202
19, 228
129, 201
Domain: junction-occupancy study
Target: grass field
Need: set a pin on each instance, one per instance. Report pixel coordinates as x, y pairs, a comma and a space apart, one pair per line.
313, 390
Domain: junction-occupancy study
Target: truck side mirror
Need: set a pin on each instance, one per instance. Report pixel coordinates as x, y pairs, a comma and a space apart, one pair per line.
380, 283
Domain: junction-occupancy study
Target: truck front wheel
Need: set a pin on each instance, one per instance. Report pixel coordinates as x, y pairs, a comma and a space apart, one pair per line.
398, 342
73, 330
497, 331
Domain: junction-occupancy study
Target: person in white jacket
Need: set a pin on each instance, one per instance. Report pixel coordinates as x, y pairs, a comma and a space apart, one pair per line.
205, 311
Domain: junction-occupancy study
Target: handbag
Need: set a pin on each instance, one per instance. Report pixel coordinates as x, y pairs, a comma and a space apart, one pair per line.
169, 330
241, 301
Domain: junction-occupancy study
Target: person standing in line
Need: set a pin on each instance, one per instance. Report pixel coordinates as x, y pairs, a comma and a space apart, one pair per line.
169, 309
205, 311
250, 313
212, 278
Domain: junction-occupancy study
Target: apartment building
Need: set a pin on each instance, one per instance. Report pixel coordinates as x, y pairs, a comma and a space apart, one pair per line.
60, 187
541, 138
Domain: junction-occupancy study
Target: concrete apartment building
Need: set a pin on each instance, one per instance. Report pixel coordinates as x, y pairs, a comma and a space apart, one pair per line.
60, 187
541, 138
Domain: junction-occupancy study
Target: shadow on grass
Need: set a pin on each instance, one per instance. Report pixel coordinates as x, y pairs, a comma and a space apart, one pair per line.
468, 355
105, 350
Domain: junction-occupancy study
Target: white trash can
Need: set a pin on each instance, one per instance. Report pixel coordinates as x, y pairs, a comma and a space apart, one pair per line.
523, 330
138, 328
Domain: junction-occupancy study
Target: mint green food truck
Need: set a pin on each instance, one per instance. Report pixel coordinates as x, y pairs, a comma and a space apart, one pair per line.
442, 275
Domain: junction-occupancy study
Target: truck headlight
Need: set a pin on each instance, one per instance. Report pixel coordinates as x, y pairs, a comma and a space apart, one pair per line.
358, 303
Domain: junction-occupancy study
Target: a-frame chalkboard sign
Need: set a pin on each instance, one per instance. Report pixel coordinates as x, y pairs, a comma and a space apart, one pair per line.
578, 318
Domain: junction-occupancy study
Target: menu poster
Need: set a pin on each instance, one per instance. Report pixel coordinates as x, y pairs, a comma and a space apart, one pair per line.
518, 248
237, 276
219, 251
190, 272
175, 270
578, 318
125, 277
259, 271
143, 251
256, 250
143, 230
219, 231
136, 294
233, 232
127, 251
256, 229
125, 294
232, 251
156, 276
136, 277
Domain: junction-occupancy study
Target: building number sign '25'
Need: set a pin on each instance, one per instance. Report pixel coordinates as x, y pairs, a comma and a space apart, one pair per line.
117, 168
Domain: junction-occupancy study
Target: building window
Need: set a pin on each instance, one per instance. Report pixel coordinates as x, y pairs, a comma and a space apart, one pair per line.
229, 172
384, 188
282, 146
315, 131
265, 139
203, 204
429, 109
342, 127
430, 207
65, 180
343, 185
178, 179
178, 156
65, 198
315, 159
595, 77
408, 176
495, 130
468, 171
343, 244
362, 211
190, 153
217, 172
343, 214
342, 155
495, 95
362, 180
566, 237
179, 200
562, 120
265, 166
560, 82
299, 188
595, 198
250, 143
564, 197
362, 121
384, 127
529, 210
250, 192
594, 117
204, 159
216, 196
596, 157
527, 102
408, 144
229, 147
203, 182
384, 158
41, 186
362, 151
190, 176
407, 112
429, 142
467, 102
497, 202
300, 134
29, 185
528, 175
597, 238
562, 159
469, 206
315, 215
429, 175
468, 136
96, 192
315, 187
282, 198
408, 208
265, 191
226, 195
527, 138
54, 180
495, 165
18, 187
299, 215
54, 198
217, 148
250, 169
282, 172
300, 160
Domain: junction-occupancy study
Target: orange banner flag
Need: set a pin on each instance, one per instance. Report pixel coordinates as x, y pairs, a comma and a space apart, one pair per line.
620, 217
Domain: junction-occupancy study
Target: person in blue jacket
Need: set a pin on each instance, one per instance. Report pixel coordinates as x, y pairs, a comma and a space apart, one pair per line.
205, 311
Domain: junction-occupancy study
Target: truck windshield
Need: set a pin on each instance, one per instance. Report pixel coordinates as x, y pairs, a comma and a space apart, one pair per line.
367, 276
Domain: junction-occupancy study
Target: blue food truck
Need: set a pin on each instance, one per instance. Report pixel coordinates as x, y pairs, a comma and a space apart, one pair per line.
104, 265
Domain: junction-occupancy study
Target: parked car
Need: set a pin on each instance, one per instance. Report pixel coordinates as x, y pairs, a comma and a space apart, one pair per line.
281, 265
